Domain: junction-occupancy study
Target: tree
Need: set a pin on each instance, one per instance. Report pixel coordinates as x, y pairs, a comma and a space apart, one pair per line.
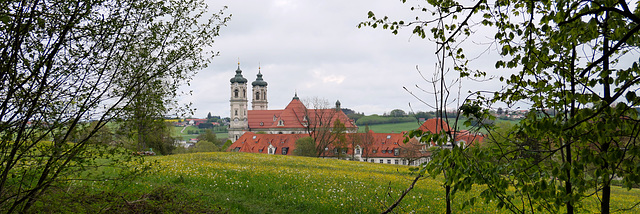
366, 143
499, 111
319, 122
305, 147
226, 145
205, 146
570, 58
209, 136
66, 62
397, 113
209, 115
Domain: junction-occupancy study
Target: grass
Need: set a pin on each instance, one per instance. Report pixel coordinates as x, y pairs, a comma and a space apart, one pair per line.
259, 183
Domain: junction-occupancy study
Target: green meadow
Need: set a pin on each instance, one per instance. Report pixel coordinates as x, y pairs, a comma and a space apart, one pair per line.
259, 183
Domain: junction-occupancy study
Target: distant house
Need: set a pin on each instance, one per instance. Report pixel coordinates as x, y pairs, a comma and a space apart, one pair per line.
195, 122
436, 125
388, 148
379, 147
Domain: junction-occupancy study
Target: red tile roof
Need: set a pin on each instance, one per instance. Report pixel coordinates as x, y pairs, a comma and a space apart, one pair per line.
259, 143
383, 144
435, 125
293, 116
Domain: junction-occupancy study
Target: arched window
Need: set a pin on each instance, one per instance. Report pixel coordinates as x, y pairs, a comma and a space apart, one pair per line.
264, 95
244, 93
235, 93
236, 112
257, 95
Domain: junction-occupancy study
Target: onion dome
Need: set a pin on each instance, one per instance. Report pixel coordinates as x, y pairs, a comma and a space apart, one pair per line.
259, 81
238, 78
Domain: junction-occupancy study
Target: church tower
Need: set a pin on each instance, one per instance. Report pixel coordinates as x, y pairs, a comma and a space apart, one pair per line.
259, 101
238, 124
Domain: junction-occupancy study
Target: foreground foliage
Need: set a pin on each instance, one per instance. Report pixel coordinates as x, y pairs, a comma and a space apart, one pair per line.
67, 68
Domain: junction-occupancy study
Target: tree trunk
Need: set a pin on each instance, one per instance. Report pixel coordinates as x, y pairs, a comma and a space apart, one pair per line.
447, 190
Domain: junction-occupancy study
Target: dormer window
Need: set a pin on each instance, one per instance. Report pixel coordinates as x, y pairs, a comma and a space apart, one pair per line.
388, 136
272, 149
281, 123
274, 118
261, 124
254, 137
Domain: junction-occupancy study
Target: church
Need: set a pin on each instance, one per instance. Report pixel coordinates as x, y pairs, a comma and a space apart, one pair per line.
296, 118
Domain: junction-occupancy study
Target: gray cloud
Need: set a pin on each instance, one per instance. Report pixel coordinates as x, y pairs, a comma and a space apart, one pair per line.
316, 49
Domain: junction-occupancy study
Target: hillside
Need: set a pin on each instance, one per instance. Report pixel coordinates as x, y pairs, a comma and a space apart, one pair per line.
257, 183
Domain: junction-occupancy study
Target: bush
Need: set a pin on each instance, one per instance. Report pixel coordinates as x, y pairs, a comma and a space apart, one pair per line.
305, 147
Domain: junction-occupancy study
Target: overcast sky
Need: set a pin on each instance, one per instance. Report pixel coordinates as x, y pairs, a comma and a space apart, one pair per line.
316, 49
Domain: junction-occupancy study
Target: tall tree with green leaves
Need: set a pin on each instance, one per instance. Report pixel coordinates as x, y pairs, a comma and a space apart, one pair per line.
571, 59
64, 63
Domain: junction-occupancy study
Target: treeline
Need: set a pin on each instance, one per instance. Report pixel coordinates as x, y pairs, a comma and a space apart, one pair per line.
376, 119
394, 116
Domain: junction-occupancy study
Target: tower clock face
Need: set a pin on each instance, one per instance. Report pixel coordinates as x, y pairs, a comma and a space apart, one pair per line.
235, 120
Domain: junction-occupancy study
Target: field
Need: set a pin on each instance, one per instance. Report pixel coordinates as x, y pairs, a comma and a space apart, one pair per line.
258, 183
178, 131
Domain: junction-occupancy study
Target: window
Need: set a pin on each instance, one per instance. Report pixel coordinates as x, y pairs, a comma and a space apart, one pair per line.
396, 162
335, 150
281, 123
261, 124
264, 95
388, 161
285, 150
388, 136
357, 151
384, 151
270, 150
244, 93
404, 162
236, 112
254, 137
381, 161
374, 151
274, 118
372, 160
257, 95
260, 150
396, 152
235, 93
